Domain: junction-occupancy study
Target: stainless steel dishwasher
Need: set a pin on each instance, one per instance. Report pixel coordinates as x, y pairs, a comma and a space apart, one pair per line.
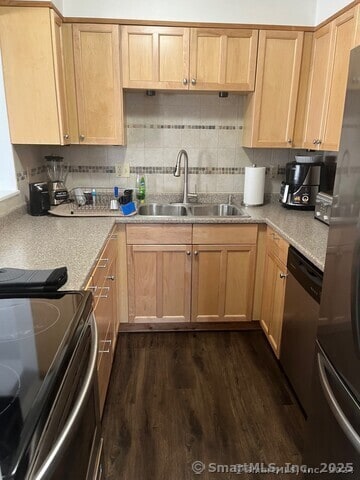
301, 314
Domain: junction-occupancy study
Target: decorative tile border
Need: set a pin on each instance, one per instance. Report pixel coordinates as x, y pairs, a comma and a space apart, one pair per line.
32, 172
167, 170
184, 127
150, 170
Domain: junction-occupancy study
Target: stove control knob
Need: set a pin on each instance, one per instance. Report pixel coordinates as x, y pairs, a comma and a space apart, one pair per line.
305, 198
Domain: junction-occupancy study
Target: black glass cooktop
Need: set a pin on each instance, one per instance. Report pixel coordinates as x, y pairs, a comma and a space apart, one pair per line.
38, 334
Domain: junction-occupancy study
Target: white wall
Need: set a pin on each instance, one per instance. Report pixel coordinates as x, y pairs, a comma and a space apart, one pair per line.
284, 12
326, 8
58, 3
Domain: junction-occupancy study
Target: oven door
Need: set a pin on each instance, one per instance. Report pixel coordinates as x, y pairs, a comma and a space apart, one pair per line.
71, 445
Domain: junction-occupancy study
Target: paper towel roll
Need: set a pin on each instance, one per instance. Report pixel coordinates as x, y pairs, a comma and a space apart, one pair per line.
254, 186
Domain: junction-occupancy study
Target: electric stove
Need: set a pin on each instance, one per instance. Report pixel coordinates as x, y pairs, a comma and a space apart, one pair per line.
38, 334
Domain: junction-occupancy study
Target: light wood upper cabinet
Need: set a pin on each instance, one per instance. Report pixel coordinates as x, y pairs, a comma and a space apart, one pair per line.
327, 85
270, 110
159, 278
155, 57
183, 58
223, 283
223, 59
31, 47
343, 38
98, 87
318, 86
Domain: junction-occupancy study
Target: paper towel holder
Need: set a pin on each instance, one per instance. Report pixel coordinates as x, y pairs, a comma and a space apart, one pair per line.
254, 191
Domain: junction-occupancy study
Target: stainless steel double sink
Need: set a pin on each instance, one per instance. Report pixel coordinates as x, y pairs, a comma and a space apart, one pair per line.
196, 210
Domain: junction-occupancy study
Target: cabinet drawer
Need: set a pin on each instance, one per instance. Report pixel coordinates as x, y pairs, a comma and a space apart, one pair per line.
158, 234
105, 357
277, 245
225, 234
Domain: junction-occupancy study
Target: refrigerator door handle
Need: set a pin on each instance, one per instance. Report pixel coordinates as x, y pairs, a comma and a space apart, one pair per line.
341, 418
355, 294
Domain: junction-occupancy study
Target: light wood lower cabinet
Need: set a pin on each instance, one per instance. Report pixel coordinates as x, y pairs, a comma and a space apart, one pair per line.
201, 282
275, 274
103, 284
159, 283
222, 283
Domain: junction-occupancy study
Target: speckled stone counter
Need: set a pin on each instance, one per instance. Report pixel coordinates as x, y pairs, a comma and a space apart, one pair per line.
49, 242
299, 228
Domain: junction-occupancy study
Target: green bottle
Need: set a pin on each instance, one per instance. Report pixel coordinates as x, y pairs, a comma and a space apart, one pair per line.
141, 189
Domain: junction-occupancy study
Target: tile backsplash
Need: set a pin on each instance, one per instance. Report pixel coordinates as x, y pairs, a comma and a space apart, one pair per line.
208, 127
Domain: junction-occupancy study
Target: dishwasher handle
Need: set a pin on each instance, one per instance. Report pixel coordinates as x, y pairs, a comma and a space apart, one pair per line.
80, 403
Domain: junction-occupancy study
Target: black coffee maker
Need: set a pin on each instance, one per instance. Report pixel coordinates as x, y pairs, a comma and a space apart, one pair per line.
302, 184
39, 202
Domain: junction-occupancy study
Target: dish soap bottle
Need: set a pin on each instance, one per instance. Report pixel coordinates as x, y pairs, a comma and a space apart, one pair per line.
140, 188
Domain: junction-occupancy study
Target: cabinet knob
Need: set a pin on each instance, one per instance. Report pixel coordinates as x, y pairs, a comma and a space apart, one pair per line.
319, 142
66, 136
196, 253
284, 275
188, 252
185, 81
193, 81
110, 277
82, 138
315, 141
289, 140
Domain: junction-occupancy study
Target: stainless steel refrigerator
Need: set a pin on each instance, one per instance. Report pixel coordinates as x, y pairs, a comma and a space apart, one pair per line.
333, 427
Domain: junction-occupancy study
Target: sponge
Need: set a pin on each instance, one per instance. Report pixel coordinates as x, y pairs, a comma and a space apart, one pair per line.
128, 208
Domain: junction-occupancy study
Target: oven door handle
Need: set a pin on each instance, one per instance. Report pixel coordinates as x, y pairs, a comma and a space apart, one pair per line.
71, 422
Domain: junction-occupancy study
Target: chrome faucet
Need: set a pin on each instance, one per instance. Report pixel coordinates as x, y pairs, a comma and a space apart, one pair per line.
177, 172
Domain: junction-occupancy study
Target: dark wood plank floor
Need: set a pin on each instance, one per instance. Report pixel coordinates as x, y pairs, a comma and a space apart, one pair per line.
218, 397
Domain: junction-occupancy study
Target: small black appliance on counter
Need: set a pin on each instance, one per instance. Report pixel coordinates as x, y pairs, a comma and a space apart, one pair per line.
39, 200
302, 184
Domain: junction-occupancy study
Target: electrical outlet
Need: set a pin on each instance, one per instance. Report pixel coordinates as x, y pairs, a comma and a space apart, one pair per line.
122, 170
273, 171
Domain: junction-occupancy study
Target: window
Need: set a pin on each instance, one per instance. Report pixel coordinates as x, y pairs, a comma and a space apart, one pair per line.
8, 186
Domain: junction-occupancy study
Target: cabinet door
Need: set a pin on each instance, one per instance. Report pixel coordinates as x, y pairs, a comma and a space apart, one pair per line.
277, 314
223, 59
155, 57
343, 36
318, 87
272, 310
98, 88
268, 294
222, 283
159, 283
270, 112
33, 75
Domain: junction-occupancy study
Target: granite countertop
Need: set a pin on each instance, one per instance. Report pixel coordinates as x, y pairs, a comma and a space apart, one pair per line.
299, 228
50, 242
